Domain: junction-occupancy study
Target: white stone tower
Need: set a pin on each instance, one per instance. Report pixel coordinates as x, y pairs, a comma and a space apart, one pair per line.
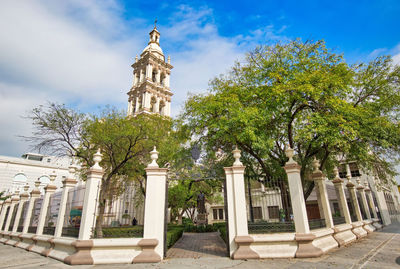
150, 92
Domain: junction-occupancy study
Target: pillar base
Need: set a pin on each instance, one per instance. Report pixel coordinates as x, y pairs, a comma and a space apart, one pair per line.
82, 255
343, 234
244, 251
306, 249
148, 254
358, 230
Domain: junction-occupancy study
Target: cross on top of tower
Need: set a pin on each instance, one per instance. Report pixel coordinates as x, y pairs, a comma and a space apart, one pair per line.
155, 23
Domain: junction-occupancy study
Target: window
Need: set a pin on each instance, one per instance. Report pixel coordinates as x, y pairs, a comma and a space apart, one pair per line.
257, 213
221, 213
218, 213
354, 170
273, 212
336, 208
342, 171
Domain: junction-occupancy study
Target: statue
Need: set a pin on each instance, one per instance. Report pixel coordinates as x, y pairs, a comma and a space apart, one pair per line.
201, 208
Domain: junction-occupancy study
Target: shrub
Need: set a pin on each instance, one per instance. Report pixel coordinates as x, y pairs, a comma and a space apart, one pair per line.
173, 234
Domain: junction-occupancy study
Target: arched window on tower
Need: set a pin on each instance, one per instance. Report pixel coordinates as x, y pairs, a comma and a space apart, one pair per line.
153, 104
44, 180
162, 79
161, 108
154, 76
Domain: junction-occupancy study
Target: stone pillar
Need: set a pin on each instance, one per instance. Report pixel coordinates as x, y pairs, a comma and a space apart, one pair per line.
352, 190
166, 83
296, 194
319, 179
141, 75
1, 210
149, 71
360, 188
92, 191
157, 105
14, 201
23, 198
371, 200
237, 214
68, 183
35, 193
6, 204
338, 183
154, 212
303, 236
49, 190
158, 75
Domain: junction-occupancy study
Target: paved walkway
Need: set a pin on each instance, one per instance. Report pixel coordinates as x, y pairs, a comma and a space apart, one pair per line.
198, 245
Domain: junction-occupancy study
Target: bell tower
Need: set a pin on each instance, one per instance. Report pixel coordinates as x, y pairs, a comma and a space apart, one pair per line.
150, 92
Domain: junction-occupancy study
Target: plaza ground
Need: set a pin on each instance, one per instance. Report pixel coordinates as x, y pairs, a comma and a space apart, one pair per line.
379, 250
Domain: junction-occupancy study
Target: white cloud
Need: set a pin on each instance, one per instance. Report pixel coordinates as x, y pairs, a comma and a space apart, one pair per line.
80, 52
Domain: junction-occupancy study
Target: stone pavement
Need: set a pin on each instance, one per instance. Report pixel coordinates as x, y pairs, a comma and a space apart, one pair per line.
198, 245
380, 250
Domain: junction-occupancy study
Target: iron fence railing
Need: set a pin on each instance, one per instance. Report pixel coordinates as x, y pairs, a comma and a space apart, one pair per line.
32, 229
339, 220
70, 232
316, 223
49, 230
271, 227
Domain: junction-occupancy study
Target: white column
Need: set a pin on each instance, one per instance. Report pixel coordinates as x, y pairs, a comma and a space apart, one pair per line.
236, 201
14, 202
296, 194
371, 200
1, 211
338, 183
148, 100
166, 83
137, 104
157, 105
364, 201
168, 109
49, 190
319, 179
23, 198
149, 71
135, 80
68, 183
6, 204
158, 76
92, 191
352, 190
154, 211
35, 193
141, 75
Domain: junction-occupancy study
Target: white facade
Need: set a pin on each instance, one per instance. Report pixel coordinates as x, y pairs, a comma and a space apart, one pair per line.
16, 172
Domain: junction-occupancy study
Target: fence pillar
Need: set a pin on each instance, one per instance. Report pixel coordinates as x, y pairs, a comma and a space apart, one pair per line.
303, 236
236, 205
154, 211
296, 194
338, 183
1, 210
91, 197
371, 200
6, 204
14, 201
35, 193
353, 195
68, 183
319, 179
23, 198
360, 188
49, 190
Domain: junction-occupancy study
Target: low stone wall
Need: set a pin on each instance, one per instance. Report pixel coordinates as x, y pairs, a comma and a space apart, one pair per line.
95, 251
324, 239
343, 234
279, 245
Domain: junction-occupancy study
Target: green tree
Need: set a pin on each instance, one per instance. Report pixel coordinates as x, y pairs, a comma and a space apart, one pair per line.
125, 143
304, 95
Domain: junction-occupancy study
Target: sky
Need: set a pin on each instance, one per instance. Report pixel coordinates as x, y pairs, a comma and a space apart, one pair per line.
79, 52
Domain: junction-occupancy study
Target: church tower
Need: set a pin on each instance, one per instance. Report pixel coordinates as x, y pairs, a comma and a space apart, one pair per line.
150, 92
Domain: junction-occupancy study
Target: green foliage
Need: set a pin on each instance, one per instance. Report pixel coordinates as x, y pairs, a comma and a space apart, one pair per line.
173, 235
121, 232
304, 95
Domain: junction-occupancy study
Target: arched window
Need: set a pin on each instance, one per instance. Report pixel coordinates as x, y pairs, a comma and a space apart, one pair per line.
161, 108
19, 181
162, 79
154, 76
152, 104
44, 180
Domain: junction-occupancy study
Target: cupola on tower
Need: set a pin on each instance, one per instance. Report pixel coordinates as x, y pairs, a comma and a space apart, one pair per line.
150, 92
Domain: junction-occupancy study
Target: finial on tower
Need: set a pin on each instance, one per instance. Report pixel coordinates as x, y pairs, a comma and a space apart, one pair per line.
155, 23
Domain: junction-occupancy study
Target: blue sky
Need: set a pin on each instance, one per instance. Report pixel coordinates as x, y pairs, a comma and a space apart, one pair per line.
79, 52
